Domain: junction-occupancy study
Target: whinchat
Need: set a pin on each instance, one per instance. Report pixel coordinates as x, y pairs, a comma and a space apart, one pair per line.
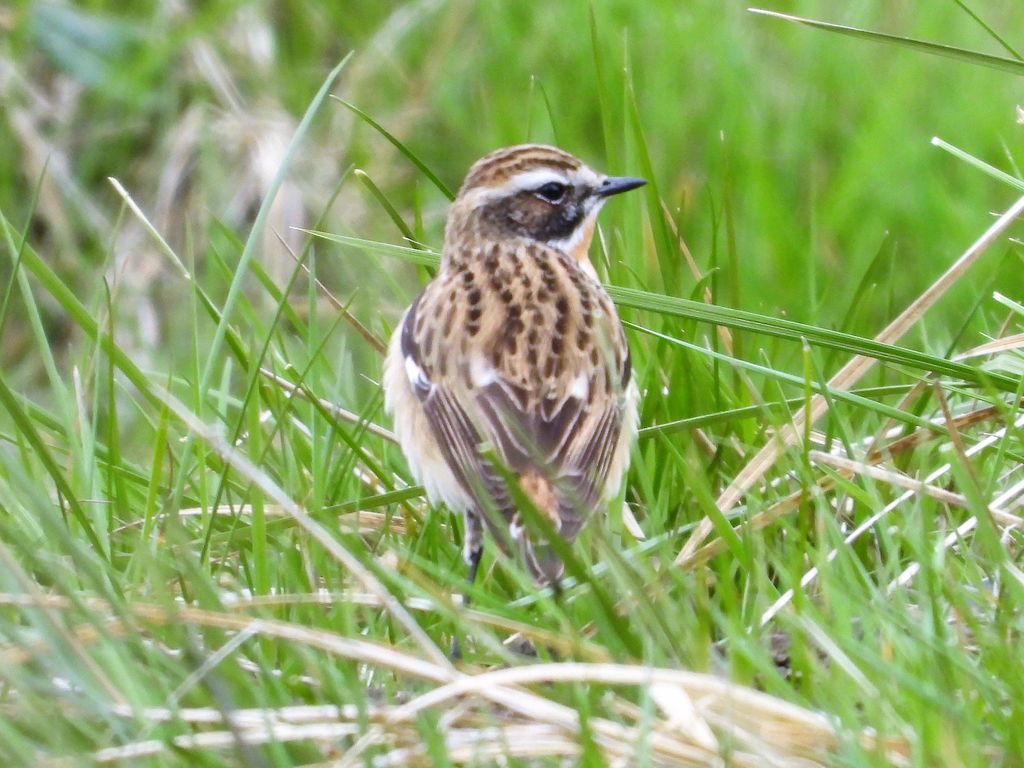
512, 366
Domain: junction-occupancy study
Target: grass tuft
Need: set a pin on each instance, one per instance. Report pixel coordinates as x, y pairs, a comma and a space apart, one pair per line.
211, 550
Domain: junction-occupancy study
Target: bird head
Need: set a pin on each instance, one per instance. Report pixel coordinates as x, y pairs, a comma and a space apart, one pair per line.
535, 192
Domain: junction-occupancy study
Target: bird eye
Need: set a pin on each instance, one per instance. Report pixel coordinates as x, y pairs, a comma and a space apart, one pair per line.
553, 191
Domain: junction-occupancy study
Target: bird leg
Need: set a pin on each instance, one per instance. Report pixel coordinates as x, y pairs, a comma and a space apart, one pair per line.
473, 557
474, 564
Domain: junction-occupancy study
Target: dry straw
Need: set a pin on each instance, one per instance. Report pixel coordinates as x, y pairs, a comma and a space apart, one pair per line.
491, 714
854, 370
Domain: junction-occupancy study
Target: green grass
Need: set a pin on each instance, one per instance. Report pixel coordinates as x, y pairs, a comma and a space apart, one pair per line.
210, 549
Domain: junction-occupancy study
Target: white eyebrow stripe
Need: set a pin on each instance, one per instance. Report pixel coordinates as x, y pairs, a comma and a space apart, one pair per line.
528, 180
531, 180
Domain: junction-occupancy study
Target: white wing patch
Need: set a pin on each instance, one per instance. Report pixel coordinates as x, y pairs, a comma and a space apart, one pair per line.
481, 372
417, 378
580, 387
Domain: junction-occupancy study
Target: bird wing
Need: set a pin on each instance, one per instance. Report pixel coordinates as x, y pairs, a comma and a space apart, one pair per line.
557, 426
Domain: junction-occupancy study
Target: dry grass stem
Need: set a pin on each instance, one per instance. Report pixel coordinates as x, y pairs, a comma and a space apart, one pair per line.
875, 454
724, 334
900, 480
846, 377
338, 412
315, 530
907, 575
994, 347
766, 727
367, 335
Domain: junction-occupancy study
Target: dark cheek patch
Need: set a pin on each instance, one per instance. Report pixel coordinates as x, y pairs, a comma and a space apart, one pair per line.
560, 222
525, 215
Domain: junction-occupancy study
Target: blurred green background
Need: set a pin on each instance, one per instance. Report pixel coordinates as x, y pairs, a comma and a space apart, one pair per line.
795, 162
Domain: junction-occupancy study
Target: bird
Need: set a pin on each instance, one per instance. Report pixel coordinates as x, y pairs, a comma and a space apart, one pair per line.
509, 379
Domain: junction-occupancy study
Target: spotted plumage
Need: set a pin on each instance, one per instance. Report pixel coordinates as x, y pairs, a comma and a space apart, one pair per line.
512, 362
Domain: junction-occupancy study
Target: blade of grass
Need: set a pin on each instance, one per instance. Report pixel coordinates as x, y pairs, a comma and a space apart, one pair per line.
636, 298
981, 165
408, 153
798, 381
748, 412
1012, 66
389, 209
42, 453
214, 349
992, 33
316, 531
81, 316
848, 375
601, 89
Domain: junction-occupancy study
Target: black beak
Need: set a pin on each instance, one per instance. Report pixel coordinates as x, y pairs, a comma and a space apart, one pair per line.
613, 185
